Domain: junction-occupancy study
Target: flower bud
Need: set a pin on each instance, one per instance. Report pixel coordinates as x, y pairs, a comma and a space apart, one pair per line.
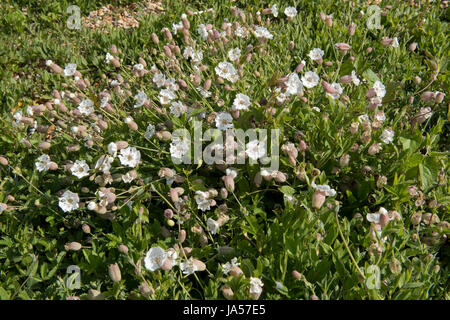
351, 29
344, 160
416, 218
123, 249
229, 183
114, 272
227, 292
95, 295
86, 228
413, 46
3, 161
182, 236
155, 38
73, 246
146, 289
236, 271
318, 199
44, 145
297, 275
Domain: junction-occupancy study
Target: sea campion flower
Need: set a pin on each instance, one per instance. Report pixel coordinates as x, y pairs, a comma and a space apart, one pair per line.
262, 33
189, 266
255, 287
165, 96
380, 89
293, 84
310, 79
69, 201
226, 268
224, 121
104, 163
213, 226
179, 147
290, 12
255, 149
70, 69
112, 149
177, 108
227, 71
203, 201
150, 131
316, 54
80, 169
130, 157
154, 258
85, 107
337, 87
387, 136
141, 97
241, 102
234, 54
43, 163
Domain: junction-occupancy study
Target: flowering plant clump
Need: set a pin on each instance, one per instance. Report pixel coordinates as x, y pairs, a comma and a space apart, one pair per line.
341, 168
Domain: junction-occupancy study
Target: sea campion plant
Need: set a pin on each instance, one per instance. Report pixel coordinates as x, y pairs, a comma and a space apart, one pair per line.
91, 177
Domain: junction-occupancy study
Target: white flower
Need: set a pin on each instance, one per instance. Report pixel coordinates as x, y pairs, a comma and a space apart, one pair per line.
172, 256
227, 71
69, 201
141, 97
188, 267
201, 29
150, 131
91, 205
226, 268
240, 32
112, 149
43, 163
108, 57
138, 67
310, 79
202, 199
325, 188
203, 92
355, 79
255, 149
290, 12
48, 63
395, 43
231, 172
104, 101
387, 136
154, 258
177, 109
363, 118
316, 54
262, 32
129, 157
375, 217
128, 177
70, 69
213, 226
165, 96
80, 169
274, 10
179, 147
85, 107
380, 116
159, 79
294, 85
338, 88
224, 121
241, 102
104, 163
176, 27
379, 89
256, 285
234, 54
